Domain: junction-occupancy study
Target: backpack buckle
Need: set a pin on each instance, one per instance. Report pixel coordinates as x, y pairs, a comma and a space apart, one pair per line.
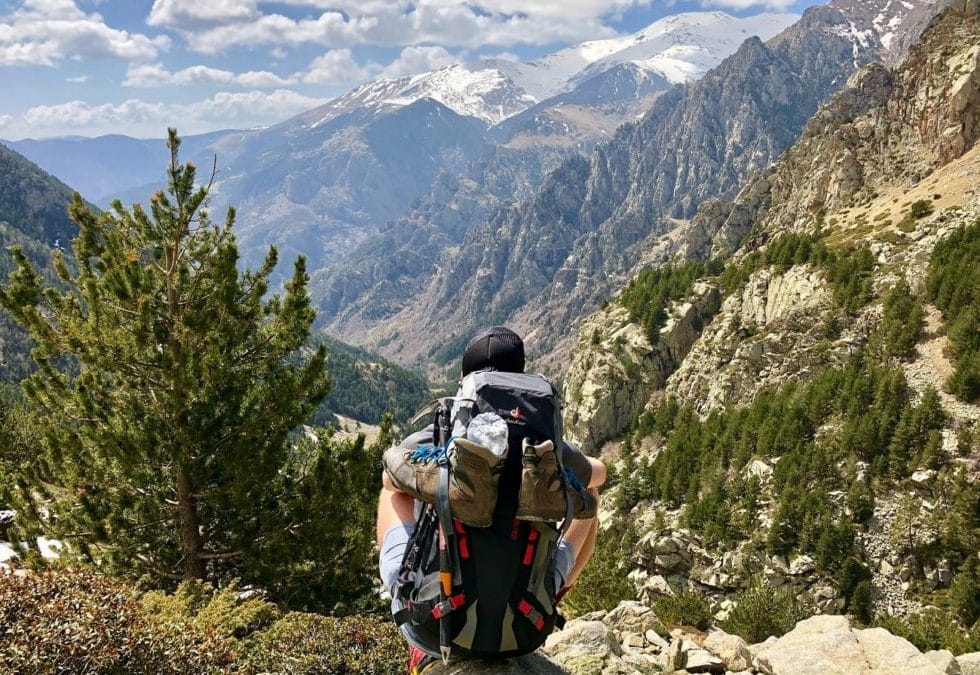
448, 605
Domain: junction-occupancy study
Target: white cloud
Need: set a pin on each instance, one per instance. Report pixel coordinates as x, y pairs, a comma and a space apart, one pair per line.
337, 66
748, 4
414, 60
44, 32
224, 110
330, 29
78, 80
153, 75
191, 14
389, 23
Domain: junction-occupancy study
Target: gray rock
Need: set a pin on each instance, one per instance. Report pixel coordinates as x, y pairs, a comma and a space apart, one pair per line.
944, 660
581, 638
703, 661
634, 617
676, 656
802, 564
729, 648
532, 664
827, 645
969, 663
656, 640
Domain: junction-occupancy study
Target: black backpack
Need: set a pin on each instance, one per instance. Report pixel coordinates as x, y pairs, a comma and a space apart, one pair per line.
490, 592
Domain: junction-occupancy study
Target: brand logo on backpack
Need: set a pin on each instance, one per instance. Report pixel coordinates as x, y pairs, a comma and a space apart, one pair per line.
515, 416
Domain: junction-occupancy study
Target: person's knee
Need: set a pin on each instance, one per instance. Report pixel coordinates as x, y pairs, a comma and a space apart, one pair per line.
598, 475
386, 481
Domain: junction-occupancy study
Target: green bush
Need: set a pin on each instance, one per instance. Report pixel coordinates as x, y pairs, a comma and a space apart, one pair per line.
307, 644
901, 323
934, 628
687, 608
847, 270
921, 208
226, 613
603, 583
649, 294
853, 572
761, 611
964, 592
860, 604
77, 621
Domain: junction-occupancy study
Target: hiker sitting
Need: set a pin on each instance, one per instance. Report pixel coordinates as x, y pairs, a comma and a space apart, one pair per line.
487, 516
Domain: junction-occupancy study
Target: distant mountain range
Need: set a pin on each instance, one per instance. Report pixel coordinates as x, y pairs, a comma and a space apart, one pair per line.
320, 183
673, 50
521, 192
543, 261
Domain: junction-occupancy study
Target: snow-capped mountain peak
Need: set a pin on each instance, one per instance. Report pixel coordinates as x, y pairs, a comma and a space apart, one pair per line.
679, 48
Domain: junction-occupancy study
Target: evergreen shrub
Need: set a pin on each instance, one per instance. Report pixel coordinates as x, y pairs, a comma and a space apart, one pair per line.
953, 285
933, 628
686, 608
603, 583
761, 611
77, 621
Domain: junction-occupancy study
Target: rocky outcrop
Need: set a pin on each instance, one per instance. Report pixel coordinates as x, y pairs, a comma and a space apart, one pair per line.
617, 368
777, 328
828, 645
885, 129
630, 639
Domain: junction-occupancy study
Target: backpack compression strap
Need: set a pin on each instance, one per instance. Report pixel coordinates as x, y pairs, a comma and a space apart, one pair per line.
448, 567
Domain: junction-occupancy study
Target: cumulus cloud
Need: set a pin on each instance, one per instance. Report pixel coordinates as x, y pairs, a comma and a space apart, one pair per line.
414, 60
337, 66
153, 75
389, 23
44, 32
197, 13
334, 67
224, 110
749, 4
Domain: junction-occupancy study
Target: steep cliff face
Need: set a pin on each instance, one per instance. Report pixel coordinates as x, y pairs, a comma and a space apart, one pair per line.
885, 132
616, 367
777, 328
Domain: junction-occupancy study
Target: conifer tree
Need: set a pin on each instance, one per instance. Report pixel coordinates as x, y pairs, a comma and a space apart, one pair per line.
169, 385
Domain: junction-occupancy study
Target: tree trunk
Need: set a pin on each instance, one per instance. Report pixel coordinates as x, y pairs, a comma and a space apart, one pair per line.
191, 543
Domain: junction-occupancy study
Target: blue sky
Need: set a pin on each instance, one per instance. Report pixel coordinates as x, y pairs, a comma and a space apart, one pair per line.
90, 67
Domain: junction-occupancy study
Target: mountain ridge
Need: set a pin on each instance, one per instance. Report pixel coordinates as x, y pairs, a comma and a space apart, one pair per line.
639, 181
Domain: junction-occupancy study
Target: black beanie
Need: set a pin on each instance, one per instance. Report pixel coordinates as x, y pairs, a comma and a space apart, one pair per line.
498, 348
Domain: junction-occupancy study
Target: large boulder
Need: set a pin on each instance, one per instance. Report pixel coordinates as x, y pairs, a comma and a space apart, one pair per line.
828, 645
532, 664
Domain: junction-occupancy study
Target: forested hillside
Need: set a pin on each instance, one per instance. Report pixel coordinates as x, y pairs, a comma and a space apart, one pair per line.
34, 217
791, 403
365, 386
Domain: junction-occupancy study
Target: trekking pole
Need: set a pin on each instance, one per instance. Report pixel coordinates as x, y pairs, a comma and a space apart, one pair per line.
445, 592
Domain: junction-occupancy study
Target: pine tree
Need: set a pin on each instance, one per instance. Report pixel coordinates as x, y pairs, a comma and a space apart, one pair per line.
964, 592
905, 525
169, 387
